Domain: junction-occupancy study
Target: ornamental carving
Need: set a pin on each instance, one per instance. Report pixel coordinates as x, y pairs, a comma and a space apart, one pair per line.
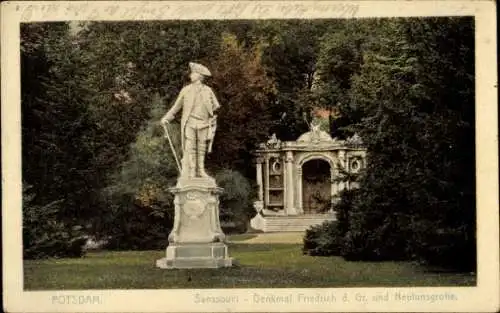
355, 164
276, 167
354, 140
273, 142
193, 205
315, 135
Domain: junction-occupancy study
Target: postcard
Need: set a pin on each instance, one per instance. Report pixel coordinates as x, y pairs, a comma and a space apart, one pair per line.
250, 156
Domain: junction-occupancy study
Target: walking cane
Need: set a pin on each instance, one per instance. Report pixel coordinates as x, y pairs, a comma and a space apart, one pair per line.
171, 147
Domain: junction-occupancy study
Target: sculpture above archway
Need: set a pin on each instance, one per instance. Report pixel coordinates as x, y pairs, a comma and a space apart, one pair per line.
315, 135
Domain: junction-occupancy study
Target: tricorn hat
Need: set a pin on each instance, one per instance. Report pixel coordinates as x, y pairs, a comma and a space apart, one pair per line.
200, 69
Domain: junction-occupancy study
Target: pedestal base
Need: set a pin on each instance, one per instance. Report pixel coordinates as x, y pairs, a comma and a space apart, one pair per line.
213, 255
196, 239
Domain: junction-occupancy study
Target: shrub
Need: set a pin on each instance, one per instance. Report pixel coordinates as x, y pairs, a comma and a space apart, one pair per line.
131, 225
386, 241
328, 238
236, 201
45, 234
439, 246
322, 240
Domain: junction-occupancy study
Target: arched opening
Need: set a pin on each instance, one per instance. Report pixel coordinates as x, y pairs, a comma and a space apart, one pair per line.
316, 186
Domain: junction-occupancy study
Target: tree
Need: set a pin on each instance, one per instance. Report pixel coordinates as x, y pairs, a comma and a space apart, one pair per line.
412, 92
340, 58
244, 91
291, 52
140, 210
56, 162
417, 198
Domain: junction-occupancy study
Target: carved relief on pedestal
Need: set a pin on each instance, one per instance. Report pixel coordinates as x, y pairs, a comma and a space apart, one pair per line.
194, 206
196, 216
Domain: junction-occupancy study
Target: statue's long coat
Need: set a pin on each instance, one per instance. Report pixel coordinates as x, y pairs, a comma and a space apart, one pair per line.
186, 100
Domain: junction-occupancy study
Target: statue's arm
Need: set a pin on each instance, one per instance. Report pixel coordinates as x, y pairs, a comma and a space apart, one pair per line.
215, 102
175, 108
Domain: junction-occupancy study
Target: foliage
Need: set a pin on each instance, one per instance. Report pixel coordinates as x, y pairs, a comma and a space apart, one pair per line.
56, 162
44, 234
415, 91
339, 58
328, 238
291, 51
244, 90
140, 209
236, 201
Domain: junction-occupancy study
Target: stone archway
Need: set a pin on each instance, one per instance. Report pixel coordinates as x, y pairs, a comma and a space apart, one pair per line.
316, 186
294, 157
305, 158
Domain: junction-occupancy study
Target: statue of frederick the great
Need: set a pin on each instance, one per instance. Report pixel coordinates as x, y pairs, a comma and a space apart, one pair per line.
196, 239
198, 121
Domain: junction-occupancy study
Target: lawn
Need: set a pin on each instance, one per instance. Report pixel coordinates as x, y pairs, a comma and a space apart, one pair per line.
260, 266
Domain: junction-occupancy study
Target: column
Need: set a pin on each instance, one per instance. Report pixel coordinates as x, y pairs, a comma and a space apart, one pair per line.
341, 185
333, 184
258, 168
289, 185
266, 182
300, 209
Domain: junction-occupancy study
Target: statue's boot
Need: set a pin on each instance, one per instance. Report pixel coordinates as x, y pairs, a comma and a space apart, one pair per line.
201, 165
192, 166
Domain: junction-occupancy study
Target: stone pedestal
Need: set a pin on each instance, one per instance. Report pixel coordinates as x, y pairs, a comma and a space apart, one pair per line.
196, 256
197, 239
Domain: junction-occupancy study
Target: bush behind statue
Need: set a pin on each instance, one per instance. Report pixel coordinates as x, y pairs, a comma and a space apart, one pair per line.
235, 202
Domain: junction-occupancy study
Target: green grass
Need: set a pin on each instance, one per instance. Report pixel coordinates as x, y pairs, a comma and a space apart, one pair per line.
260, 266
241, 237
